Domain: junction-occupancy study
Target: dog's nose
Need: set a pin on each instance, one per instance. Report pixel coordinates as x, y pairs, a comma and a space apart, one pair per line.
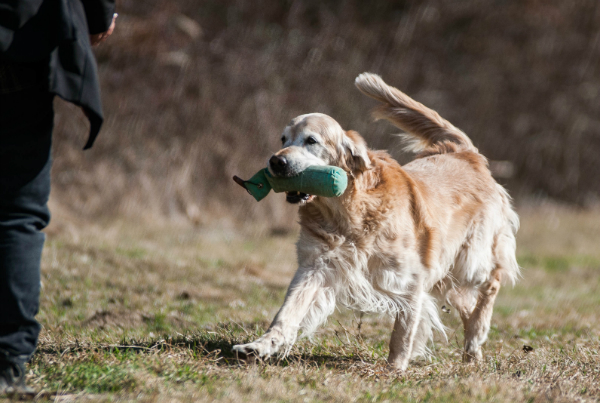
277, 162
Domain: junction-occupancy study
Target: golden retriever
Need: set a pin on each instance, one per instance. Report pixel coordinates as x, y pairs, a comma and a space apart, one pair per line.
401, 239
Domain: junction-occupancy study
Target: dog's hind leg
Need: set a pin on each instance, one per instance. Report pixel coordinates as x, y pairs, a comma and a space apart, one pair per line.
463, 301
307, 300
430, 321
477, 325
405, 330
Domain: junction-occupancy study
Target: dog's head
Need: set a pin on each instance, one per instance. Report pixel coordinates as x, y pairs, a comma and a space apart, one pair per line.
317, 139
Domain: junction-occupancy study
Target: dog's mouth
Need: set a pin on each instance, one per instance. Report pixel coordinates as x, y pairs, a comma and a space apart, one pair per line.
295, 197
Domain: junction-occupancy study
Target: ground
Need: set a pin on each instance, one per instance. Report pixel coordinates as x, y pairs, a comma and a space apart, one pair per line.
149, 312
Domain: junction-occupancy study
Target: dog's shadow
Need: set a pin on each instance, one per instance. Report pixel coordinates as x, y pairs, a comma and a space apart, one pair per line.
218, 346
214, 344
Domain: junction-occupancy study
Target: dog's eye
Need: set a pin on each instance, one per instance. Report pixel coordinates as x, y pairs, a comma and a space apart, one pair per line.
311, 140
282, 139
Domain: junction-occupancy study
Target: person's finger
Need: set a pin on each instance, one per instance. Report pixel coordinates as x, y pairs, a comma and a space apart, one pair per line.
112, 25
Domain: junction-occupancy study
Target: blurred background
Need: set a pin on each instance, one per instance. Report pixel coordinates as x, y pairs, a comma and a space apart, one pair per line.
197, 91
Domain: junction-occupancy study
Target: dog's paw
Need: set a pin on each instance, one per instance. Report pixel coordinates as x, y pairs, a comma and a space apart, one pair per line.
472, 353
266, 346
245, 353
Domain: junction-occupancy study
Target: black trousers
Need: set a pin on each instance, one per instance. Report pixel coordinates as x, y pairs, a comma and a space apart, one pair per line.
26, 122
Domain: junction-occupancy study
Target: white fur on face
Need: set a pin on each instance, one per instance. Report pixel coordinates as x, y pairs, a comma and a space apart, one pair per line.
307, 141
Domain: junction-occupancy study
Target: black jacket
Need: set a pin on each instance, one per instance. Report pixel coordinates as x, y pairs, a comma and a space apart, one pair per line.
58, 31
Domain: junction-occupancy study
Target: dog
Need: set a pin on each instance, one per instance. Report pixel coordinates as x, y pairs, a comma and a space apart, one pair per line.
401, 239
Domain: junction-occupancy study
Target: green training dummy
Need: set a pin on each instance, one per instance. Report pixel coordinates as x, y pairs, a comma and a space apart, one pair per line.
326, 181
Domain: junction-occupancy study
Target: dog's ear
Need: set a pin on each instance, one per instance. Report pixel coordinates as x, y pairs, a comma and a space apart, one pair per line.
355, 147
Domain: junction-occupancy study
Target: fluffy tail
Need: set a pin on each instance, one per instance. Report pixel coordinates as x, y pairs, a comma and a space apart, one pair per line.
426, 131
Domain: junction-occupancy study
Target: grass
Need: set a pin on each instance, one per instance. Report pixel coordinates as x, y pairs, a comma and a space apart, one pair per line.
134, 312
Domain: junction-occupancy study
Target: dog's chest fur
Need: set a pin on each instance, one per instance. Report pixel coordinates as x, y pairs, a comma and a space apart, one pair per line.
367, 242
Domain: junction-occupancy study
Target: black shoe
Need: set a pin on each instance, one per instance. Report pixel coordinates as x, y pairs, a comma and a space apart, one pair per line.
12, 379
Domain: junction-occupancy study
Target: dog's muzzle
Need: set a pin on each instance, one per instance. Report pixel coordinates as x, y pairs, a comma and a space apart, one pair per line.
279, 165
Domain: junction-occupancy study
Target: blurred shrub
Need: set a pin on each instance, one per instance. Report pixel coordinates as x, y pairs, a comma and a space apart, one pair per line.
196, 91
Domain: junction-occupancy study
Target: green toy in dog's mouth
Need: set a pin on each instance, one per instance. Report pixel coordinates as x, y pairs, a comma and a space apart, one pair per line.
325, 181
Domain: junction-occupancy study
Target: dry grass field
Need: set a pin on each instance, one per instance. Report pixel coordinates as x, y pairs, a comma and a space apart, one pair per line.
150, 312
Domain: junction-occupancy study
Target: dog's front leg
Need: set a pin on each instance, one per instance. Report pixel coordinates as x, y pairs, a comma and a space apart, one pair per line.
304, 291
405, 330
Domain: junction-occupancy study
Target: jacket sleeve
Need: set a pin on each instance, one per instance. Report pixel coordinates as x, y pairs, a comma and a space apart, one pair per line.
13, 15
99, 14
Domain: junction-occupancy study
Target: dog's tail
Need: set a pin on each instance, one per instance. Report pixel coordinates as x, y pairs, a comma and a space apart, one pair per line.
426, 131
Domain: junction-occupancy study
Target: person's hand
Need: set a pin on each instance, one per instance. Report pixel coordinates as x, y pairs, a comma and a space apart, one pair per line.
97, 38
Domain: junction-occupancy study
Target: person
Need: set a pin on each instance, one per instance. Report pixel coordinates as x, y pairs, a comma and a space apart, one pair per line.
45, 50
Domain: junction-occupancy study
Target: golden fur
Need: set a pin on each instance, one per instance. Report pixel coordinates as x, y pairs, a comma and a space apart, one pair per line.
400, 240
